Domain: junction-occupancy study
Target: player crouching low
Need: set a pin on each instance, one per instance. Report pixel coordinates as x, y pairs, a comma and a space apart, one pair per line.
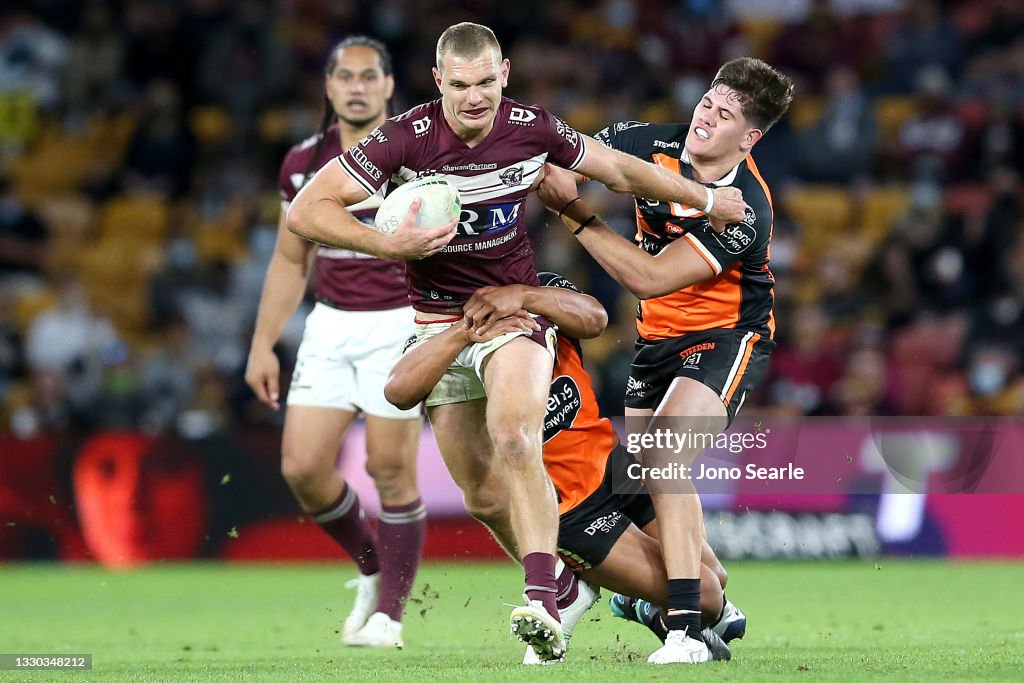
608, 533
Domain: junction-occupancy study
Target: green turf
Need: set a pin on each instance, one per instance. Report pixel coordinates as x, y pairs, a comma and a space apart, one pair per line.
808, 622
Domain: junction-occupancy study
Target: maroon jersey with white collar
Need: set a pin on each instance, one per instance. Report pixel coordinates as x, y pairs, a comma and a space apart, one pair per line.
348, 279
493, 178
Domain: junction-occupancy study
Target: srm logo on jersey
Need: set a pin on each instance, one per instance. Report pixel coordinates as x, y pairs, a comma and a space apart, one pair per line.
480, 219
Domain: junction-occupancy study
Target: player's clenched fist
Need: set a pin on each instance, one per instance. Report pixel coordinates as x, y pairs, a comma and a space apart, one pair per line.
262, 375
728, 207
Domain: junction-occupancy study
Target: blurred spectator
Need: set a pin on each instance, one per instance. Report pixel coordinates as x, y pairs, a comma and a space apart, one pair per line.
860, 392
93, 77
68, 333
157, 45
930, 141
809, 49
243, 68
804, 370
924, 38
842, 144
23, 237
167, 383
66, 349
31, 57
161, 153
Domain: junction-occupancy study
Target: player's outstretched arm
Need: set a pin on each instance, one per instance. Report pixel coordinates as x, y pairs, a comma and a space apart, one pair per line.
577, 314
318, 214
423, 365
622, 172
283, 289
645, 276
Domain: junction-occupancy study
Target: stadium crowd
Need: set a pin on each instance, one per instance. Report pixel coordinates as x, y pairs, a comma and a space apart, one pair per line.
139, 143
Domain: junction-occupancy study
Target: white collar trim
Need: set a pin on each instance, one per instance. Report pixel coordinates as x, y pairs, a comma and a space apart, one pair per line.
725, 180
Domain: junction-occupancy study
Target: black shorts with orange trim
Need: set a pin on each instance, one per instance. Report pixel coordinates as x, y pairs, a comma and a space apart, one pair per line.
589, 531
729, 362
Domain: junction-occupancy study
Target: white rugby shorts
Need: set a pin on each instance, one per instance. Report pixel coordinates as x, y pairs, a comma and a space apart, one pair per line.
463, 380
345, 358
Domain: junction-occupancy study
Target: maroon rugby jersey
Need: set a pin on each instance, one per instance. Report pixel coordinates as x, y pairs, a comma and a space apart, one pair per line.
493, 178
350, 280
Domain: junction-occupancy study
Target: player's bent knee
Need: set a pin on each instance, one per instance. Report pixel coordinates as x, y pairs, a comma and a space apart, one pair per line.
303, 473
517, 446
490, 511
391, 477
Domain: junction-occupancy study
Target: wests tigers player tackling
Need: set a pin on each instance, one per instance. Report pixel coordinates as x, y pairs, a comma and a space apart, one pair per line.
488, 410
705, 323
607, 532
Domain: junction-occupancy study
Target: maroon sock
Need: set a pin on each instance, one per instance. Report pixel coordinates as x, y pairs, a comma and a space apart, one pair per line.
344, 521
540, 580
400, 535
568, 587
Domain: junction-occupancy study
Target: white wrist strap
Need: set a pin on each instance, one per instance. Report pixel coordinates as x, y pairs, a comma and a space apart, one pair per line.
711, 201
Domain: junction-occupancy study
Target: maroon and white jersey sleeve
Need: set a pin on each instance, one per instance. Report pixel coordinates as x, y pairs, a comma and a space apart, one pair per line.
564, 143
345, 279
380, 154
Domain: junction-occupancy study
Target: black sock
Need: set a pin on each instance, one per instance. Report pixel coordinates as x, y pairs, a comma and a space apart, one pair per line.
683, 609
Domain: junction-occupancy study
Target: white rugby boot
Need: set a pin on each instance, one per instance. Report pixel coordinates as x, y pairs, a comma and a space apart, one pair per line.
532, 624
380, 631
367, 591
678, 649
586, 598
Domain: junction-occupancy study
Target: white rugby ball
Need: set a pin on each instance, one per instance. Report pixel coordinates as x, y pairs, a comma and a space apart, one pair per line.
441, 204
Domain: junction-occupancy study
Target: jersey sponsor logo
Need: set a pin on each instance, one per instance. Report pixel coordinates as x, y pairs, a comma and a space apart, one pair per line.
480, 245
738, 237
483, 219
564, 402
421, 126
364, 163
635, 387
448, 168
437, 295
567, 132
521, 117
604, 524
512, 176
692, 362
376, 135
696, 349
673, 229
626, 125
666, 145
604, 136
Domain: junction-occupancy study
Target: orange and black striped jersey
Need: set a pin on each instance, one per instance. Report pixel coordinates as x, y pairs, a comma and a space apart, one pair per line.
740, 294
577, 438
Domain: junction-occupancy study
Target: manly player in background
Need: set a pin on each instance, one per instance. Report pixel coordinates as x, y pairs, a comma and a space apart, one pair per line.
488, 410
353, 336
705, 322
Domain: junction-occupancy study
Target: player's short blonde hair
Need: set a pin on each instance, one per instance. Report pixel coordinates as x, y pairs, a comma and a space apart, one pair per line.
466, 40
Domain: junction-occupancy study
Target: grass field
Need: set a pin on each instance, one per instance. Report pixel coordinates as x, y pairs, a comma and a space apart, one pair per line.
808, 622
